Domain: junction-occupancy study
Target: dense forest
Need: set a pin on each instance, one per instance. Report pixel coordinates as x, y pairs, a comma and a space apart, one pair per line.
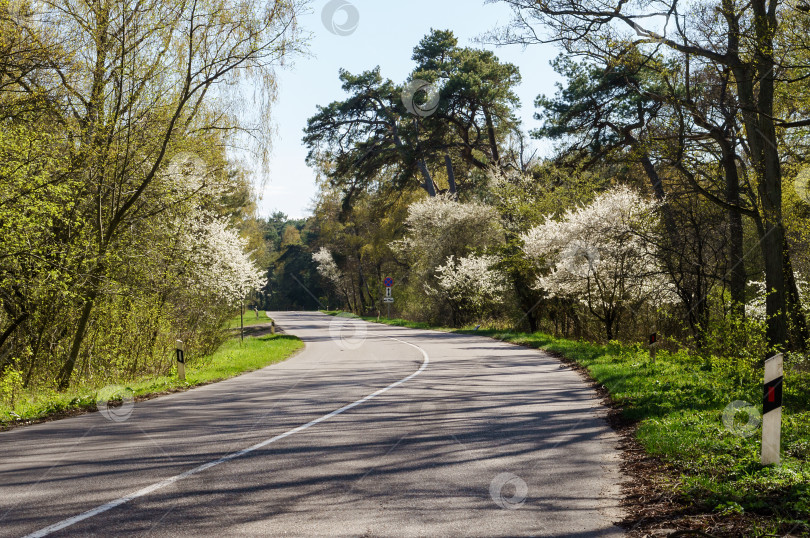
670, 203
125, 222
676, 201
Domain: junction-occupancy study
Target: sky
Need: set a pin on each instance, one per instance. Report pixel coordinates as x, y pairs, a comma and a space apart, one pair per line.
362, 35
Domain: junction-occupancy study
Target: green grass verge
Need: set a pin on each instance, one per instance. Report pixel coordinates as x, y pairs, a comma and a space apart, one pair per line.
250, 319
395, 322
678, 402
231, 359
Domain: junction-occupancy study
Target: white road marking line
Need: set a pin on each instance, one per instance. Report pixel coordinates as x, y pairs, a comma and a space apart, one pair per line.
160, 485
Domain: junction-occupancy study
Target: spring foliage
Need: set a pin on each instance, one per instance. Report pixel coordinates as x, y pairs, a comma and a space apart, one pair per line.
218, 264
327, 266
441, 227
119, 202
598, 255
471, 284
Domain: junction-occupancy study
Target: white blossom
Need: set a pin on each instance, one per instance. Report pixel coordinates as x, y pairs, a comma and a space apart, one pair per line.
327, 266
471, 281
509, 187
444, 226
756, 309
442, 233
217, 263
597, 253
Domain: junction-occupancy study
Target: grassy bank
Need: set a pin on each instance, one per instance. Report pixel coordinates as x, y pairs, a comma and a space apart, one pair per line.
250, 319
231, 359
678, 404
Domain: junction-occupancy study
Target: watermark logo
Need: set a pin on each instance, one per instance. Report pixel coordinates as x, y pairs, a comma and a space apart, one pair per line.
742, 419
187, 167
190, 174
425, 106
115, 402
348, 331
581, 260
340, 17
429, 411
508, 491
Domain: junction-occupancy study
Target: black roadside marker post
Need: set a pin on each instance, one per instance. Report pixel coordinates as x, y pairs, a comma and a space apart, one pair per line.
272, 327
772, 410
653, 345
181, 360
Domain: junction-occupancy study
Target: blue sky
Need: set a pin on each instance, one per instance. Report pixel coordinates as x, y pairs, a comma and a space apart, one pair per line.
385, 35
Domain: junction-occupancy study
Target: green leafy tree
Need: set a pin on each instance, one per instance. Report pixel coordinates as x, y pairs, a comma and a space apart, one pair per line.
372, 134
741, 40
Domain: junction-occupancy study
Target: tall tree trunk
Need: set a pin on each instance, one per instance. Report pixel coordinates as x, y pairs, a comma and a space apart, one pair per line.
531, 317
775, 302
78, 338
348, 298
738, 277
94, 146
428, 185
371, 302
451, 176
660, 195
761, 135
493, 141
10, 330
360, 294
609, 327
800, 339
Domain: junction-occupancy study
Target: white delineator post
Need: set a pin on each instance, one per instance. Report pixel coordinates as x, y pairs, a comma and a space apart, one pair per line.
772, 411
389, 298
181, 360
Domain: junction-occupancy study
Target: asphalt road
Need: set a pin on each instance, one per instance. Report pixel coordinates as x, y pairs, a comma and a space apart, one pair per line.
462, 436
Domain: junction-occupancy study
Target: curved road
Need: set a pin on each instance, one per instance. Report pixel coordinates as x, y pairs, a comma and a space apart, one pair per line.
395, 432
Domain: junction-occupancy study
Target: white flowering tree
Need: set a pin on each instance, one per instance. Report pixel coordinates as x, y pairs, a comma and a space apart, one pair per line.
471, 286
597, 255
755, 308
441, 230
327, 266
440, 227
216, 263
329, 270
